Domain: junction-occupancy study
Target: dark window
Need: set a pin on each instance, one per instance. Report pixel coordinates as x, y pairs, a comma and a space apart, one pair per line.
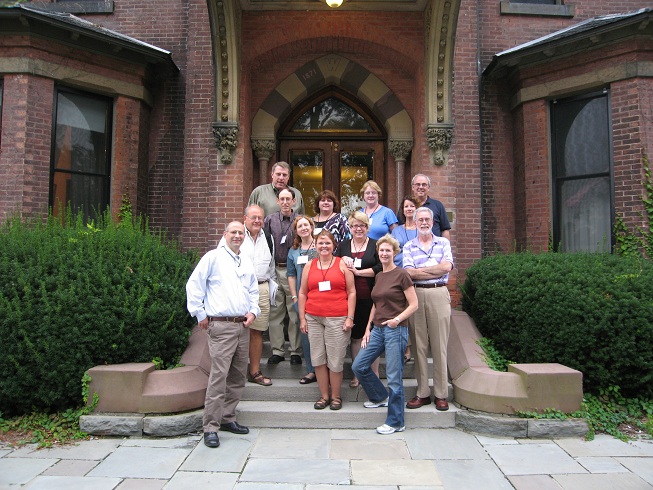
1, 90
546, 2
582, 173
81, 154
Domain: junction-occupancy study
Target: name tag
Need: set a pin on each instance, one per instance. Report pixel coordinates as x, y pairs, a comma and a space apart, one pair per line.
317, 231
302, 259
371, 222
325, 285
357, 263
283, 239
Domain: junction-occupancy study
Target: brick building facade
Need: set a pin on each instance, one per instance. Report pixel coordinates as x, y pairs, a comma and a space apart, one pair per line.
529, 117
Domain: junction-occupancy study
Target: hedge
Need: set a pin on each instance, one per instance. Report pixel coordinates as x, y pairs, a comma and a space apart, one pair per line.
73, 296
591, 312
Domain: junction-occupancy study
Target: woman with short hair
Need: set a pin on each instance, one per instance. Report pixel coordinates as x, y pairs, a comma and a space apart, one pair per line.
382, 220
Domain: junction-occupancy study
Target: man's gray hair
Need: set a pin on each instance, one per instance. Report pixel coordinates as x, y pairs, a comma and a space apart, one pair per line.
424, 209
428, 179
246, 212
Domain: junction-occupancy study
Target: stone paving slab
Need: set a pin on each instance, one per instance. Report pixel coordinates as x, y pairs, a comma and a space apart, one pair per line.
141, 484
395, 472
444, 444
605, 445
643, 467
626, 481
231, 456
357, 487
533, 459
96, 449
368, 449
534, 482
15, 471
292, 443
472, 474
601, 464
188, 441
273, 486
364, 434
70, 482
305, 471
151, 462
185, 480
71, 467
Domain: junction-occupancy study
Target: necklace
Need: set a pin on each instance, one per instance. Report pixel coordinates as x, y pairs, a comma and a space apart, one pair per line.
374, 210
358, 249
319, 217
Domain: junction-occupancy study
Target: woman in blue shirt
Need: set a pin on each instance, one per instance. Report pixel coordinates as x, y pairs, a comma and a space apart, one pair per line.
382, 219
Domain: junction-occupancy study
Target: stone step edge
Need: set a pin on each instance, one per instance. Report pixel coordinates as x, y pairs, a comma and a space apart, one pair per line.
494, 425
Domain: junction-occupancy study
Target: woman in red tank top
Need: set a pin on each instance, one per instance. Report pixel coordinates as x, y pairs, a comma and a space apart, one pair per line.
327, 300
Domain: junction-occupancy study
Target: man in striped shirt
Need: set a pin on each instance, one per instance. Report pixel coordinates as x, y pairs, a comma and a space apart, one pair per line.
428, 260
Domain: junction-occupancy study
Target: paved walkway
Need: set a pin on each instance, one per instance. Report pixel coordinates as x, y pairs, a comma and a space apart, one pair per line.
303, 459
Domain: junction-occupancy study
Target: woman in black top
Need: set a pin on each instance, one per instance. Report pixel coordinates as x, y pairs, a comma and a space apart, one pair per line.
360, 256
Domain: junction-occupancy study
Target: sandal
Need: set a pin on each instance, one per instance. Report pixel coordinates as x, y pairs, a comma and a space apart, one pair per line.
321, 404
259, 379
354, 383
308, 379
336, 403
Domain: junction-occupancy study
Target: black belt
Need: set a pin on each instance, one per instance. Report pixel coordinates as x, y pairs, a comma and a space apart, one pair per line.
434, 285
263, 282
233, 319
281, 264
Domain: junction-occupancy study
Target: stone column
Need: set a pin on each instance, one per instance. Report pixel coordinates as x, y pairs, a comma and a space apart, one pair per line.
263, 149
399, 149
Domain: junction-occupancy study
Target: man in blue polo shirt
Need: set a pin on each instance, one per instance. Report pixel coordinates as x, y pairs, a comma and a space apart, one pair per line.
421, 185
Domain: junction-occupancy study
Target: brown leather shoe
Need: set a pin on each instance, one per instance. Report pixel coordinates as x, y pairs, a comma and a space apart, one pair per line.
418, 402
441, 404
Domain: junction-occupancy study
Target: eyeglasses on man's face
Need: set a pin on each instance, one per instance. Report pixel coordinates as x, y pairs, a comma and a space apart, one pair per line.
423, 220
420, 184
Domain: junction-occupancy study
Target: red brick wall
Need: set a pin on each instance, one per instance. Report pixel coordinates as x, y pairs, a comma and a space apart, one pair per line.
26, 136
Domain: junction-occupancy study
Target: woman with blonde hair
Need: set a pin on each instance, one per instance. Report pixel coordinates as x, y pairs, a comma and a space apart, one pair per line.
359, 255
381, 219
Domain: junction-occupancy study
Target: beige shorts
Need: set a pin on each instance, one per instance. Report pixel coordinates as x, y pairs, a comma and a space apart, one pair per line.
328, 341
262, 321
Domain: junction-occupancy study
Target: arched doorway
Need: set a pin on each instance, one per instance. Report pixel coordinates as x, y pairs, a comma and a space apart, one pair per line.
333, 142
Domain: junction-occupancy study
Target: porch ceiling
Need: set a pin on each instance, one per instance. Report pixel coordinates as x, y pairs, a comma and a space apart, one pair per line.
369, 5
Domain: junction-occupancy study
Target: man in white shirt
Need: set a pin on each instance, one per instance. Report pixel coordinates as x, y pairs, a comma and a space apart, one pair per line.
259, 248
222, 293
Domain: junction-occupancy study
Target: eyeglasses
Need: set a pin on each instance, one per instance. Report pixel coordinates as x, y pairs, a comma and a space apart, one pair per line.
255, 218
420, 185
424, 220
359, 226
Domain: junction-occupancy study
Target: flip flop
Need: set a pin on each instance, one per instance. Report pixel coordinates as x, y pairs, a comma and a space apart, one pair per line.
308, 379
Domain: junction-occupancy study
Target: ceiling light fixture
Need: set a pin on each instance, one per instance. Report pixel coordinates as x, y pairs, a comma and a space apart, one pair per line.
334, 4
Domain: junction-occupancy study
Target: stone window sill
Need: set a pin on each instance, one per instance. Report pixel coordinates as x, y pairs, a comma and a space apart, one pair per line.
515, 8
77, 7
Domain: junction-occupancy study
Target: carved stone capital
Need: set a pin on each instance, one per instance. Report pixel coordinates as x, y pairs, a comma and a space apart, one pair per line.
226, 139
399, 149
439, 140
263, 149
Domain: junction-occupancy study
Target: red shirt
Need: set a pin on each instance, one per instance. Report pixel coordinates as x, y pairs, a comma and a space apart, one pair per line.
326, 303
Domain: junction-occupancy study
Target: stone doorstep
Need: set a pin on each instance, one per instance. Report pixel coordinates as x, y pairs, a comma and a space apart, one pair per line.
353, 415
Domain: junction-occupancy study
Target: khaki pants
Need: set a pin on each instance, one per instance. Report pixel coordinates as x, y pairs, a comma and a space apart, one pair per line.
229, 351
429, 327
279, 314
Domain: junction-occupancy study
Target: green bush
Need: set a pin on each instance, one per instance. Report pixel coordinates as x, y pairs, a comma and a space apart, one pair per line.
74, 296
591, 312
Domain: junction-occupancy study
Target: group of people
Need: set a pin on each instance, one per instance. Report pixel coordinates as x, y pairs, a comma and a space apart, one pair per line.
331, 282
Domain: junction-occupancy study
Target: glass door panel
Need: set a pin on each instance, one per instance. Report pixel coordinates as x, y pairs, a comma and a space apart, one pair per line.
307, 175
356, 168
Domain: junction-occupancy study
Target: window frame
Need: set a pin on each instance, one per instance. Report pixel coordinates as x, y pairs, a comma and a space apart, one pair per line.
557, 181
107, 175
533, 7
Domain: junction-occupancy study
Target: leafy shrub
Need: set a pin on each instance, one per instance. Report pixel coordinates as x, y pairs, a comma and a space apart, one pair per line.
73, 296
591, 312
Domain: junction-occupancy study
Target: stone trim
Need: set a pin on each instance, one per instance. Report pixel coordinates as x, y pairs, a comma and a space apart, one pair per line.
515, 8
226, 139
439, 139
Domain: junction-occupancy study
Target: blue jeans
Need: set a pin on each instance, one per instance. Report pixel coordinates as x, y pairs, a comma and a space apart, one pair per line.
306, 346
393, 341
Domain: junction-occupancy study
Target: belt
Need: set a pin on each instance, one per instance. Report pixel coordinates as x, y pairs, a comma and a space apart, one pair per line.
263, 282
433, 285
281, 264
233, 319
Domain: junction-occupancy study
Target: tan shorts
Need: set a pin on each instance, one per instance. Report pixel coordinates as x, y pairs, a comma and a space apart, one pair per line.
262, 321
328, 341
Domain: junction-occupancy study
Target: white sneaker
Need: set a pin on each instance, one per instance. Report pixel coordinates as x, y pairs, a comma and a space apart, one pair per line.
368, 404
387, 429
